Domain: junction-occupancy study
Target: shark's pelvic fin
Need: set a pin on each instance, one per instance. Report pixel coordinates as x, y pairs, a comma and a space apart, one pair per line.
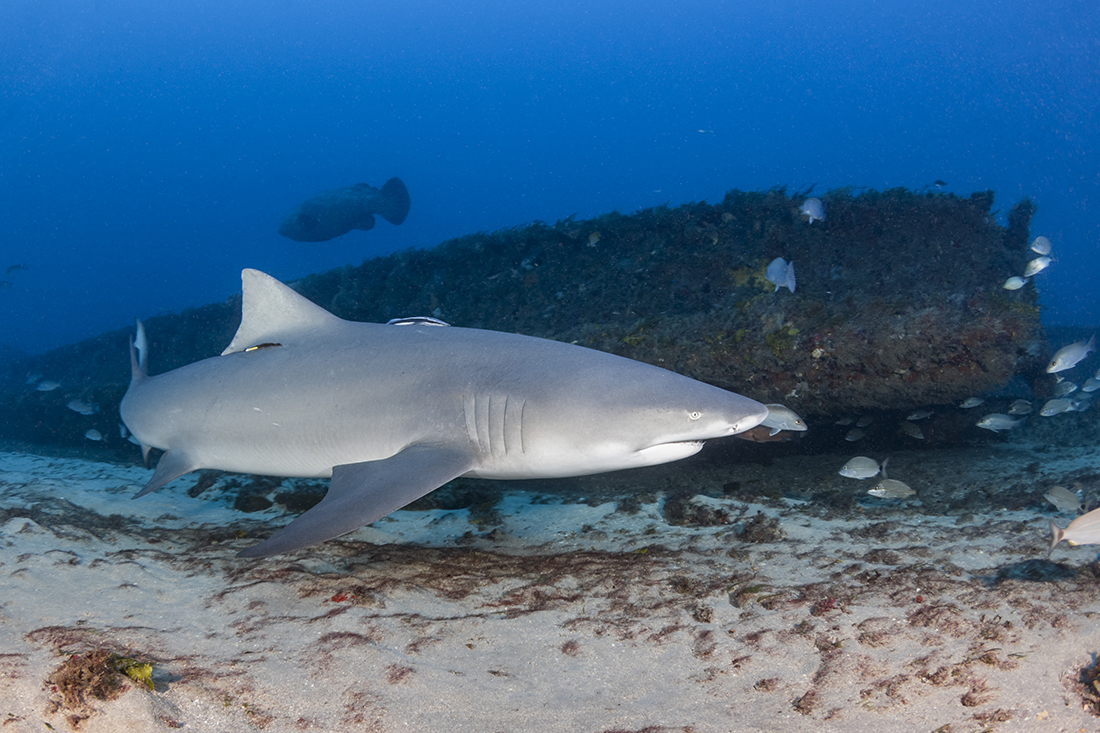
363, 492
171, 465
272, 312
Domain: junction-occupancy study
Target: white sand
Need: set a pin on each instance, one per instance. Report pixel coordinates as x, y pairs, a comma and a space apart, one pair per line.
568, 617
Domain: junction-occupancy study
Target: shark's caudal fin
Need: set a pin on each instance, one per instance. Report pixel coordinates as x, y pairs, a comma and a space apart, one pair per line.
393, 201
272, 313
363, 492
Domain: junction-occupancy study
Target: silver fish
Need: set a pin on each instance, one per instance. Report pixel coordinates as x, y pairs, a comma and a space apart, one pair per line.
1020, 407
1041, 246
854, 434
48, 385
1067, 357
865, 421
890, 488
1085, 530
997, 422
782, 418
971, 402
1064, 388
781, 274
912, 430
919, 414
93, 434
1080, 404
860, 467
1064, 499
1036, 266
814, 209
1055, 407
1091, 385
84, 408
844, 421
1015, 283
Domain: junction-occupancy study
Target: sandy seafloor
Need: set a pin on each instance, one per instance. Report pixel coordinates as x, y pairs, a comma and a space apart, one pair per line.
564, 615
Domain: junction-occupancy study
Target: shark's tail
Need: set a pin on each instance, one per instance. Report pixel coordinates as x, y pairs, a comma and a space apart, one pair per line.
139, 354
393, 201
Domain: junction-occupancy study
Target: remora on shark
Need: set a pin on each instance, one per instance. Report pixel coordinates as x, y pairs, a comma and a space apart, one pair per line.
392, 412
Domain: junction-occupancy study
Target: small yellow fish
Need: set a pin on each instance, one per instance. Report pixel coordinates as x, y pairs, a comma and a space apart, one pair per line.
593, 238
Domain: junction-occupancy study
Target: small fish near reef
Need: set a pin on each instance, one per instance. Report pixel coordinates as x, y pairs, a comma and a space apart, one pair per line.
84, 408
997, 422
970, 402
1068, 357
333, 213
1063, 388
1056, 407
1064, 499
813, 209
912, 430
1036, 266
890, 488
392, 412
783, 418
1085, 530
1041, 246
781, 274
1015, 283
861, 467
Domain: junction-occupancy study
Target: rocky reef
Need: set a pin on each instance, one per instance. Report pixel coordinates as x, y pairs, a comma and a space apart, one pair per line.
899, 303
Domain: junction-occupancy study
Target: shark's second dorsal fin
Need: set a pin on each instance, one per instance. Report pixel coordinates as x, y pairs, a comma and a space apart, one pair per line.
272, 312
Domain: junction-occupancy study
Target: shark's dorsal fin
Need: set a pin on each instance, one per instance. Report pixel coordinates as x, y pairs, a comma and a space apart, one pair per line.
272, 312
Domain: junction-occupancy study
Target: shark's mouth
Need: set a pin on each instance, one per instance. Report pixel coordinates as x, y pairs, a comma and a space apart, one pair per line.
668, 452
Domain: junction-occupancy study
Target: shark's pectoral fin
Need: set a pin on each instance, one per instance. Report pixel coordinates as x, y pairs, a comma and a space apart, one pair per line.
171, 465
363, 492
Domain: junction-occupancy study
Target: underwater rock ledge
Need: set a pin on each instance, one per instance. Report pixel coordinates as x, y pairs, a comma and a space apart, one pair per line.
899, 303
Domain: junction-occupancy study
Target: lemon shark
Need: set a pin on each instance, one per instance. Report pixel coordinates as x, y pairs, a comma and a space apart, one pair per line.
393, 411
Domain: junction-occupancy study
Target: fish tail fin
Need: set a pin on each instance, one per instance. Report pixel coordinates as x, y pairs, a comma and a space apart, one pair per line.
1057, 534
790, 277
887, 460
139, 354
393, 201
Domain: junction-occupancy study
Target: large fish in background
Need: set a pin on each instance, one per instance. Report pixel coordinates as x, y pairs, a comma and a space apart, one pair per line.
337, 211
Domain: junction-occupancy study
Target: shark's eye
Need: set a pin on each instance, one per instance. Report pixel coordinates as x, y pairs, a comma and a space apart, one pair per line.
694, 415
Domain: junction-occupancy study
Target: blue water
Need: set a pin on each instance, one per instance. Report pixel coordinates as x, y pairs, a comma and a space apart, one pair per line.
148, 150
